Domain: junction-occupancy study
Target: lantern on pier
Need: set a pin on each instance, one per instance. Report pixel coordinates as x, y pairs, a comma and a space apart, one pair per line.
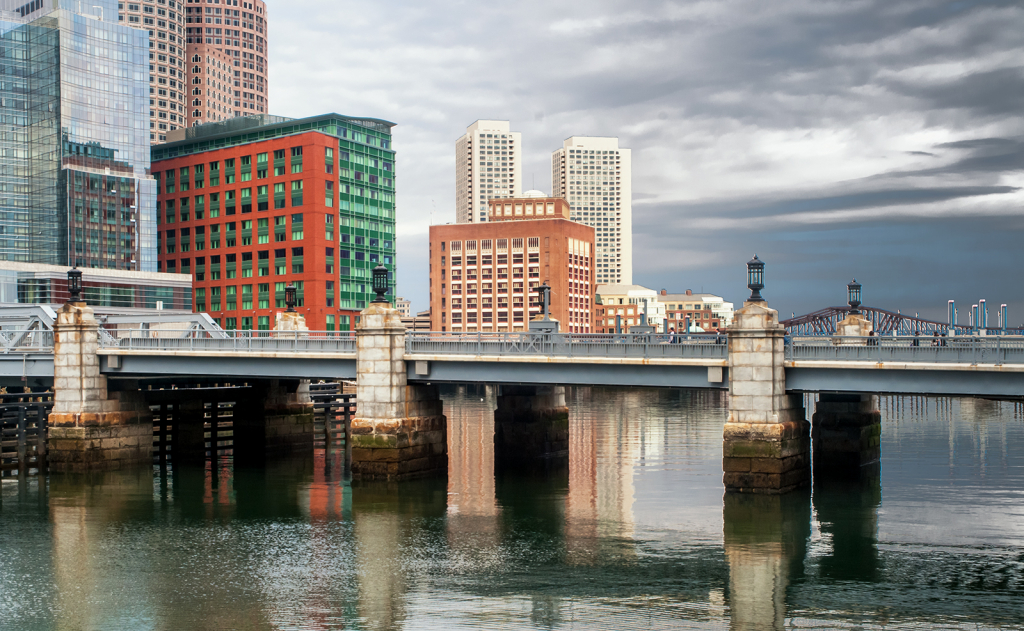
289, 297
755, 279
75, 285
853, 296
380, 283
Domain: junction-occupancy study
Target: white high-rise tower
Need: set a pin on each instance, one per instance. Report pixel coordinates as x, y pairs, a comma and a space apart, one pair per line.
595, 176
488, 164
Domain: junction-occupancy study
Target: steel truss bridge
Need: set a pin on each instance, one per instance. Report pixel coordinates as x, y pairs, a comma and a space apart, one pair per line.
824, 321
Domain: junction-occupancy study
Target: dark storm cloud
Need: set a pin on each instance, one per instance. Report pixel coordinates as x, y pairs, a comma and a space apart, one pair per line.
879, 135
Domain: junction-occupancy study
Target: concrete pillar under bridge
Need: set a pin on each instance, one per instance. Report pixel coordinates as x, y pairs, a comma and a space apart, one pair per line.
399, 430
92, 427
766, 446
846, 432
531, 426
846, 428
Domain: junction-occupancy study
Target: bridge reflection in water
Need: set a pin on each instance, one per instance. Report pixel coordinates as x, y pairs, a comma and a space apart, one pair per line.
631, 529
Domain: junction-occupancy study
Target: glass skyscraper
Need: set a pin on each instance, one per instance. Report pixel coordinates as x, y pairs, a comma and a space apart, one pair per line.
75, 182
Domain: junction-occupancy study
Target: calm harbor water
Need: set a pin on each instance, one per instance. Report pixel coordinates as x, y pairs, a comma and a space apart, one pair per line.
634, 533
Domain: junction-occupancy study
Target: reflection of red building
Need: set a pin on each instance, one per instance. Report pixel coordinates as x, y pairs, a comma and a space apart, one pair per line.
483, 276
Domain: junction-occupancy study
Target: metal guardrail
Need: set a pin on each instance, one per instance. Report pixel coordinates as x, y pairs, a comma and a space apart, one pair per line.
997, 350
22, 341
653, 345
222, 341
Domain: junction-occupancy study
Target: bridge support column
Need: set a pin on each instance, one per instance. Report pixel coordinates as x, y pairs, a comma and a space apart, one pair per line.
531, 425
278, 419
189, 436
92, 428
766, 437
846, 430
399, 431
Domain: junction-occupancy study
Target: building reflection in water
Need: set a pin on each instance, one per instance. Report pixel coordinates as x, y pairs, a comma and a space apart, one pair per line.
765, 538
602, 458
473, 521
386, 517
82, 510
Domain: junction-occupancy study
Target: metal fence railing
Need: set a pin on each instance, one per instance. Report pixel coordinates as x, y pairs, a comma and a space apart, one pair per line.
270, 341
21, 341
654, 345
996, 350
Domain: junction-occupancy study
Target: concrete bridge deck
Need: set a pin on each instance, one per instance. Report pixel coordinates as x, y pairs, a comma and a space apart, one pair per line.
978, 366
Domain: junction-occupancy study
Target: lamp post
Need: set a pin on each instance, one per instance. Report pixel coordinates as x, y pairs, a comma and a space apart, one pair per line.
755, 279
289, 297
380, 283
74, 285
853, 296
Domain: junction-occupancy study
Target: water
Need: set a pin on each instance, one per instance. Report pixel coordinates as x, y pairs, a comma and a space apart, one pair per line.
635, 533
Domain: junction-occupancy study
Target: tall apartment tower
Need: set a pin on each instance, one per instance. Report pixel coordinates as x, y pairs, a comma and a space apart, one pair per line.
488, 165
595, 176
165, 21
207, 60
238, 30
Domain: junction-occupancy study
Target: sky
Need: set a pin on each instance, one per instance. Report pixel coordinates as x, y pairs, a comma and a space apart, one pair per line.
876, 139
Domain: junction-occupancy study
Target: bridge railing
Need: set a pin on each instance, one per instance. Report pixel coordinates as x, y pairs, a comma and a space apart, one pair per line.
237, 341
653, 345
26, 341
996, 350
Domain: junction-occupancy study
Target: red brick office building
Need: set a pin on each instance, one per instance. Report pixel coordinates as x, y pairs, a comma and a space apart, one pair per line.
484, 276
306, 202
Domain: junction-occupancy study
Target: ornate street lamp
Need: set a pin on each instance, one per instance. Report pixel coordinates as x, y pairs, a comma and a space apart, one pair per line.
755, 279
853, 293
380, 283
75, 284
289, 297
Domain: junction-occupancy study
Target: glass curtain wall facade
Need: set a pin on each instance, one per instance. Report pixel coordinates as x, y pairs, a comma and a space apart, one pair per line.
75, 185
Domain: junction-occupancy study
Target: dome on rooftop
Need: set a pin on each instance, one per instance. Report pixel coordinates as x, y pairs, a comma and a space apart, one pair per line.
535, 193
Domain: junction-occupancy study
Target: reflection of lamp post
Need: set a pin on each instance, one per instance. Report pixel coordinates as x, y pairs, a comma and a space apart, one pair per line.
380, 283
853, 295
74, 285
755, 279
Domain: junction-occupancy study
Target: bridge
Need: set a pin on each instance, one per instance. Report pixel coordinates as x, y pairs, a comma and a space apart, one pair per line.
991, 366
884, 322
103, 371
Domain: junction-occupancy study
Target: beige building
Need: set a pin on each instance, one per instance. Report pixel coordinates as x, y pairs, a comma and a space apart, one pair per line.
207, 60
214, 70
488, 165
168, 79
595, 176
707, 312
239, 30
631, 302
404, 307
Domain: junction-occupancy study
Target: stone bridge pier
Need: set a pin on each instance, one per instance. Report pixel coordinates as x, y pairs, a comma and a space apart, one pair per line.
92, 427
766, 437
399, 430
846, 428
531, 425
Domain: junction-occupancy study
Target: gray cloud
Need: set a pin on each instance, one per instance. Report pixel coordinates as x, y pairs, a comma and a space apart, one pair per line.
829, 135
